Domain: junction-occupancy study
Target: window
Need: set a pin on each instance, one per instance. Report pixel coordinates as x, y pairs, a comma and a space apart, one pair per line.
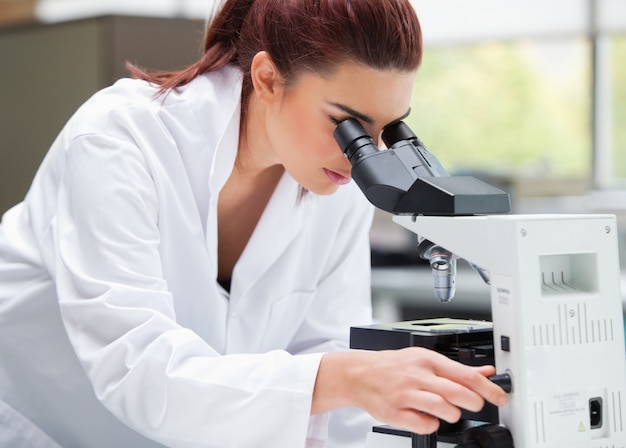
542, 83
508, 108
618, 76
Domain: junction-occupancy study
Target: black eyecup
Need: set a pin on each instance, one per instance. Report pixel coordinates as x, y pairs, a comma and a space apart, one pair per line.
348, 131
396, 132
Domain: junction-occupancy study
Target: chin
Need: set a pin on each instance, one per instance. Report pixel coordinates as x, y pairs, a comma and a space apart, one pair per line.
323, 190
321, 186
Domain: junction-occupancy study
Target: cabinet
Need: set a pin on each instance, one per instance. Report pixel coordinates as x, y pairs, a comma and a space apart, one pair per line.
48, 71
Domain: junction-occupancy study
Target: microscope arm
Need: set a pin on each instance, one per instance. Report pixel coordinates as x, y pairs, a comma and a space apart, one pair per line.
467, 235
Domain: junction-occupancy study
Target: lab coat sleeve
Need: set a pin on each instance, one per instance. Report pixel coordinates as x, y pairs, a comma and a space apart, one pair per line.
159, 378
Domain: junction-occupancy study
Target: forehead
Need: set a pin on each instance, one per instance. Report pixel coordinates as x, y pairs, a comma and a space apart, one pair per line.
380, 94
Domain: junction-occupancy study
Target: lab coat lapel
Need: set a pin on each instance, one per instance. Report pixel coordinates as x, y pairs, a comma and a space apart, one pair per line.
280, 223
221, 130
222, 166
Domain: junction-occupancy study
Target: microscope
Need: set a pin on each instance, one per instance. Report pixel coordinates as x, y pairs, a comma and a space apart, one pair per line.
557, 331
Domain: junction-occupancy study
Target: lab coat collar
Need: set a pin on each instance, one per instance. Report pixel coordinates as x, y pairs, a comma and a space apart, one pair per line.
227, 84
219, 118
221, 168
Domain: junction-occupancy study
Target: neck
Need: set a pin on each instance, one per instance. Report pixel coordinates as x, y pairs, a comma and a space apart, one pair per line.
255, 155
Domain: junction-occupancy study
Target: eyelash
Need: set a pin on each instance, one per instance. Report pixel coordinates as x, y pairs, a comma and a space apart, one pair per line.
334, 120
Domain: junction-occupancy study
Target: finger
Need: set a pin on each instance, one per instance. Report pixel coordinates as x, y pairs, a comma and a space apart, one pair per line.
474, 379
486, 370
490, 391
415, 421
455, 394
434, 404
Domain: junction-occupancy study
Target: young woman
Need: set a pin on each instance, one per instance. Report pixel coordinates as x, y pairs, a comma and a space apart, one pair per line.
185, 269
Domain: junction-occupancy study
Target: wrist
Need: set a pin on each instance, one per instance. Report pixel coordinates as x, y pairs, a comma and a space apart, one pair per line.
336, 380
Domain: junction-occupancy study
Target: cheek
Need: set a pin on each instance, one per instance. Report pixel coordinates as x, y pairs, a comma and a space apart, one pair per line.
311, 140
331, 147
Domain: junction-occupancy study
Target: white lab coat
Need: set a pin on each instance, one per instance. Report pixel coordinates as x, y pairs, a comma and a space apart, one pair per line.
109, 307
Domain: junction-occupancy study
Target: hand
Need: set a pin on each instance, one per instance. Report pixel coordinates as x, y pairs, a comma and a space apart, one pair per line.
410, 388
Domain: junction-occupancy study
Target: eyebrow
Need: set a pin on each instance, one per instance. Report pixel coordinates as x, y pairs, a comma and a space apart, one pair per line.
366, 118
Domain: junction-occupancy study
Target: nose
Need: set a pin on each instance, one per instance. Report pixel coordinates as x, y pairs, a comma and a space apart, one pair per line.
346, 166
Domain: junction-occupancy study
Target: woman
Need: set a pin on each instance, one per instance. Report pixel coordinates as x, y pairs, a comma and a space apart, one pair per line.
188, 261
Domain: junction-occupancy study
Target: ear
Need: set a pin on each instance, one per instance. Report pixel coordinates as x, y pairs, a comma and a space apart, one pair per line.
266, 79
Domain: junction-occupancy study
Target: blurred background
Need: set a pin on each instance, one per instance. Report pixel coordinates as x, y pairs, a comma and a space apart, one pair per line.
529, 95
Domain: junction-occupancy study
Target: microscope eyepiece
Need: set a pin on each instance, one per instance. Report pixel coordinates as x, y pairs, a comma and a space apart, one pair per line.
354, 140
396, 132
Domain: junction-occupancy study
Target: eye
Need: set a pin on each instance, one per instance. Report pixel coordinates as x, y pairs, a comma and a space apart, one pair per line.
336, 121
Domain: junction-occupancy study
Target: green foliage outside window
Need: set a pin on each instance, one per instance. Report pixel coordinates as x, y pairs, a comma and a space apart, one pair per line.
516, 109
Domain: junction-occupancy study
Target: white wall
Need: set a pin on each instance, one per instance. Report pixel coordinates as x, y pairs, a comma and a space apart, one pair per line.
443, 21
454, 21
60, 10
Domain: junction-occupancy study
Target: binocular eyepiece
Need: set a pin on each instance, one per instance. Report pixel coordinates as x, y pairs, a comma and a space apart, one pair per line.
354, 140
384, 176
406, 179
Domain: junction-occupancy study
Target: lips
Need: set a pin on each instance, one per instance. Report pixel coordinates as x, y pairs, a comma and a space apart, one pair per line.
336, 178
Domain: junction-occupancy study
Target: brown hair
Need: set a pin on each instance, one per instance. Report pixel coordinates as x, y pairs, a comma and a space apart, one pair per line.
303, 36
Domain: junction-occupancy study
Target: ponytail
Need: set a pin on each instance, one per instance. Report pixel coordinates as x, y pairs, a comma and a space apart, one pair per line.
220, 49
